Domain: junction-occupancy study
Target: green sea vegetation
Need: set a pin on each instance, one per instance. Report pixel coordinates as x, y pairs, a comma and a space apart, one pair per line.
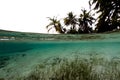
4, 61
92, 67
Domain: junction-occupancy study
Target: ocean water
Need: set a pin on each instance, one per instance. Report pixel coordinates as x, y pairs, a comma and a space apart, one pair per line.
19, 57
13, 47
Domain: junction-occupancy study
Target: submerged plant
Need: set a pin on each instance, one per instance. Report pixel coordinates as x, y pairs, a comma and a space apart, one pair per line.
78, 68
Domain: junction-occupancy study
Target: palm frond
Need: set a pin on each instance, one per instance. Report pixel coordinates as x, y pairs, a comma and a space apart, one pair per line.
49, 29
49, 25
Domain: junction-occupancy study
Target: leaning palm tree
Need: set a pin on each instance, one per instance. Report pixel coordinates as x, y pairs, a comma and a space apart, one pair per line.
55, 24
85, 21
72, 21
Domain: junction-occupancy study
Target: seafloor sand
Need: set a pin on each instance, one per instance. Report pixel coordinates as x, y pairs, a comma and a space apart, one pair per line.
20, 59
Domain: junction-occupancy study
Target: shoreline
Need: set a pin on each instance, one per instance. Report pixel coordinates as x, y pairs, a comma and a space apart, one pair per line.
6, 35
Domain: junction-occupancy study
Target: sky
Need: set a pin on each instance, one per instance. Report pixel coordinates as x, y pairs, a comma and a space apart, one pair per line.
31, 15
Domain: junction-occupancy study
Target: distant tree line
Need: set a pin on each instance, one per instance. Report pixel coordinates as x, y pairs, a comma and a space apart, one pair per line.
108, 20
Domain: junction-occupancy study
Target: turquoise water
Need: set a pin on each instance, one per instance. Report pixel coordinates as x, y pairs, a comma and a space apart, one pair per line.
10, 47
13, 47
21, 56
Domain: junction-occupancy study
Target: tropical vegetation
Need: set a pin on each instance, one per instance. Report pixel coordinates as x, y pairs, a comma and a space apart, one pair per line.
72, 21
85, 22
108, 20
55, 24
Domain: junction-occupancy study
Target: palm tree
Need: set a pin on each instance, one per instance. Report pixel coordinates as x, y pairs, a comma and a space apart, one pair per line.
109, 18
85, 21
72, 21
55, 24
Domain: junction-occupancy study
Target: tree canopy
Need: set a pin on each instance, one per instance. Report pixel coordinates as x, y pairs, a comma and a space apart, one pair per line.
85, 20
108, 20
55, 24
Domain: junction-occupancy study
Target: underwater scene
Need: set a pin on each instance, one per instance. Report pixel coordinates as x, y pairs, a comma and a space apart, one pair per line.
59, 60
